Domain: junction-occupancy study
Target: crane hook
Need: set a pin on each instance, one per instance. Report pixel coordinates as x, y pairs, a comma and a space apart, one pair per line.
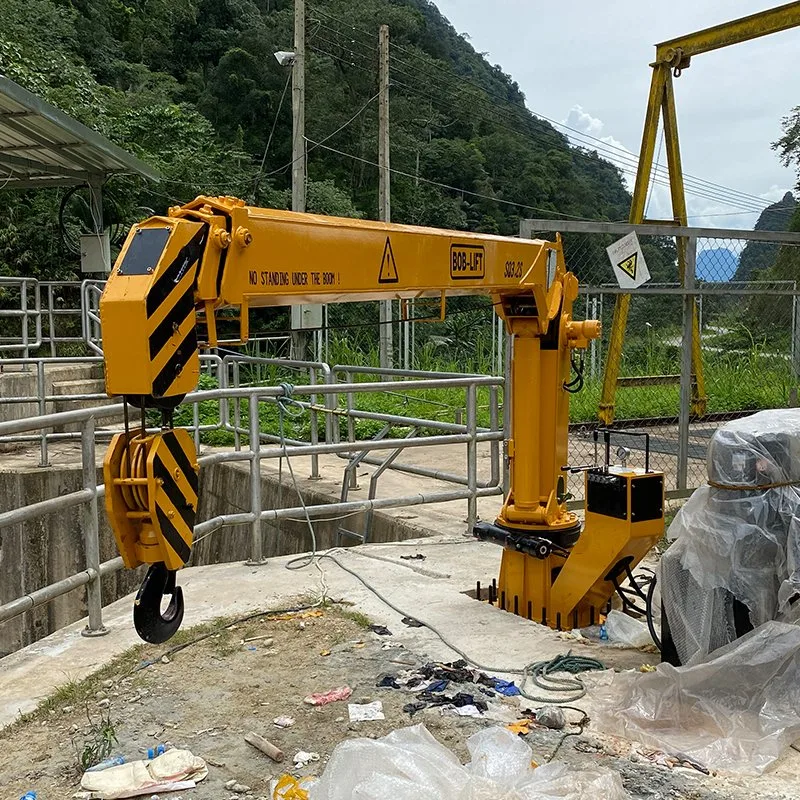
151, 624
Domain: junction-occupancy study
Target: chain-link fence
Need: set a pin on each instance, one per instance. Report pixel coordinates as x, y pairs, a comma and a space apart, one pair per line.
745, 291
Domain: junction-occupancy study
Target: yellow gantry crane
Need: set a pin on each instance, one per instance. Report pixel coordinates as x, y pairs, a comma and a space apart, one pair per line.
160, 306
672, 57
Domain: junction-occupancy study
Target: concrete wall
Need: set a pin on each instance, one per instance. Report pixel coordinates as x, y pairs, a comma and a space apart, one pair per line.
16, 383
46, 550
225, 489
35, 554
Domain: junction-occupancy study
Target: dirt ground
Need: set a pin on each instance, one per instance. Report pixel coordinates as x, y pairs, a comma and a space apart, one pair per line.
206, 696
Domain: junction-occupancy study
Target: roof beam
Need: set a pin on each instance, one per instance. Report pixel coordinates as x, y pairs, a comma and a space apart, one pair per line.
53, 147
45, 182
26, 166
677, 52
106, 157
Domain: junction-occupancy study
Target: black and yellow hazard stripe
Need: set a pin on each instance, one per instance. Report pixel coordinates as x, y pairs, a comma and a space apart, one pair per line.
172, 335
174, 505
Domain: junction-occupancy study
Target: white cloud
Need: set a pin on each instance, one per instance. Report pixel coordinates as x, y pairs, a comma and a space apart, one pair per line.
701, 211
581, 120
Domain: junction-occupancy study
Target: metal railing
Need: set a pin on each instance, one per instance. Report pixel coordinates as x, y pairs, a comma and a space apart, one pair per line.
261, 446
43, 399
41, 315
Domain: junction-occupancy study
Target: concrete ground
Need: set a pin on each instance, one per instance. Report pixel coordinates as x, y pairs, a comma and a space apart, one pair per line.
431, 590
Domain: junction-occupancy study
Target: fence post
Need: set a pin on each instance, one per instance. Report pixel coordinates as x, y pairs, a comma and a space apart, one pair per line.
795, 335
685, 410
472, 457
256, 544
91, 533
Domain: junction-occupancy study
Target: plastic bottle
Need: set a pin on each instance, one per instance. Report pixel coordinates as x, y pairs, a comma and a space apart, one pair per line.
603, 633
28, 796
114, 761
152, 752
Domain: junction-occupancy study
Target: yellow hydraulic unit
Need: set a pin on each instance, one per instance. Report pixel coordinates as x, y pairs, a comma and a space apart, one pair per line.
161, 304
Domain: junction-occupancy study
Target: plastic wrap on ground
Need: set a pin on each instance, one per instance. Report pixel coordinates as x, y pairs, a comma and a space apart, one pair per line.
626, 630
736, 711
736, 559
409, 764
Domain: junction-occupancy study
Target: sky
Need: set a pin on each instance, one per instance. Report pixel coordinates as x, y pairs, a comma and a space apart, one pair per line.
586, 63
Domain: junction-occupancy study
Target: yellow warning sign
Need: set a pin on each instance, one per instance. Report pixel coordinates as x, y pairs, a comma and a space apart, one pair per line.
628, 266
388, 273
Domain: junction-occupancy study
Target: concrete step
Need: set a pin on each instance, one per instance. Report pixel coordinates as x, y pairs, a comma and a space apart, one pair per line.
16, 382
85, 386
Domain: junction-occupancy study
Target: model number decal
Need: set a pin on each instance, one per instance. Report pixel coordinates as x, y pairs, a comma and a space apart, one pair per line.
467, 261
512, 269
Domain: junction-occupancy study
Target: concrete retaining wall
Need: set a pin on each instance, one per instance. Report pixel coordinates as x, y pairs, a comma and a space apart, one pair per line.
35, 554
16, 383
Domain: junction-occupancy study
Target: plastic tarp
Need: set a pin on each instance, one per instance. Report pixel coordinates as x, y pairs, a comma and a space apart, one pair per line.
736, 559
738, 710
409, 764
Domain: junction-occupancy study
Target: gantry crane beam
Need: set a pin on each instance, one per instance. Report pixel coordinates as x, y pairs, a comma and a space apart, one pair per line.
672, 57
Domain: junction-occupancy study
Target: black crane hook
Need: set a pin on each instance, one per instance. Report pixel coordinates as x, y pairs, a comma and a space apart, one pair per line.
151, 624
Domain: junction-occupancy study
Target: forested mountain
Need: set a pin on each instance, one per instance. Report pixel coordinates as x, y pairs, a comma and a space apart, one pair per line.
192, 87
759, 256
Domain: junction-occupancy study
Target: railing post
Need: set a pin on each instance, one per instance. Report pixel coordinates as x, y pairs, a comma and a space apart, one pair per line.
256, 544
312, 419
51, 321
196, 423
237, 409
332, 404
472, 457
494, 445
91, 533
40, 389
684, 413
351, 427
23, 291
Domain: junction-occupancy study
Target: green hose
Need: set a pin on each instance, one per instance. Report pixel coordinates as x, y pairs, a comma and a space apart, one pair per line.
542, 675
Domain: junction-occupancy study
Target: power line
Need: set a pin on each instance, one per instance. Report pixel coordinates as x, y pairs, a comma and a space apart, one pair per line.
712, 190
451, 188
272, 131
628, 168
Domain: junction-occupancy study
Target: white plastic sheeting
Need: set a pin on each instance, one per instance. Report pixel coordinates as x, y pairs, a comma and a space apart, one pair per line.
409, 764
738, 710
736, 559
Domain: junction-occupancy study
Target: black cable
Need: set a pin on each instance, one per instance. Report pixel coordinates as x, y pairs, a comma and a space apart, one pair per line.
650, 623
269, 138
576, 384
626, 603
178, 647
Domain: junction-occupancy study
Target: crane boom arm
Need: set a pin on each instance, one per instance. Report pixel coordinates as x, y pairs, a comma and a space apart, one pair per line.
217, 253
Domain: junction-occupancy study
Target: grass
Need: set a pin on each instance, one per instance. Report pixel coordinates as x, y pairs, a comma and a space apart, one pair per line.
99, 741
362, 620
222, 634
751, 376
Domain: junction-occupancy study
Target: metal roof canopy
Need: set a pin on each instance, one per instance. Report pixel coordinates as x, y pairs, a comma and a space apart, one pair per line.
41, 146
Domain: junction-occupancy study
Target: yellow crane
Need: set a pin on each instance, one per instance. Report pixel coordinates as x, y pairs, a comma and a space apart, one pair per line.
177, 272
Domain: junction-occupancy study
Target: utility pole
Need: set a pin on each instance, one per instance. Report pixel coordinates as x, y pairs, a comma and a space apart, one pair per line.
303, 316
384, 185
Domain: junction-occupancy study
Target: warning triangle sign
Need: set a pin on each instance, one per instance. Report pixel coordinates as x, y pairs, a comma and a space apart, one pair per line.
388, 273
628, 266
